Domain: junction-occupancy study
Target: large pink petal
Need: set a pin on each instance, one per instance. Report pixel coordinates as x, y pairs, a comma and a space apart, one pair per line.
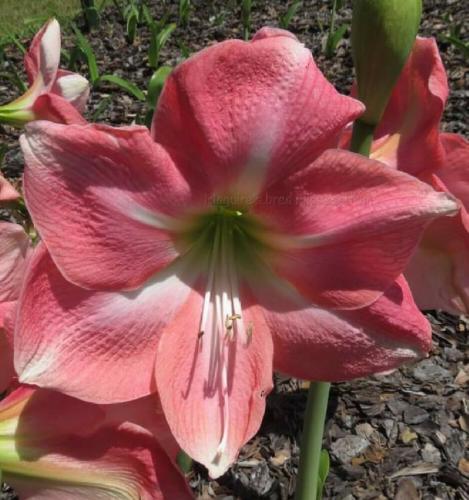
44, 414
55, 108
113, 464
257, 109
439, 271
7, 191
348, 226
455, 172
43, 57
114, 193
146, 412
14, 247
97, 346
213, 389
316, 344
408, 135
65, 449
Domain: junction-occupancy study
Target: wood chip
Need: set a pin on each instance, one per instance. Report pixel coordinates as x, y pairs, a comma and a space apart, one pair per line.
463, 467
407, 436
464, 422
416, 470
407, 491
280, 457
462, 378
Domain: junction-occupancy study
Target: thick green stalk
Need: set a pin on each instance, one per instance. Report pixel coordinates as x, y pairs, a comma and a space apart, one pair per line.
362, 137
311, 443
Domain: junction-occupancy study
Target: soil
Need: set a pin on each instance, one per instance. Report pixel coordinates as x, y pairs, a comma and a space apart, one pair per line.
402, 436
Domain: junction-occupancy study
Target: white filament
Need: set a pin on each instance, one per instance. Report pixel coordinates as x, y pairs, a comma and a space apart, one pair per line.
221, 320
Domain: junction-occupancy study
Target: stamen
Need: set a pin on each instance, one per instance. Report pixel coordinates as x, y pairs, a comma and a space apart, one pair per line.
222, 318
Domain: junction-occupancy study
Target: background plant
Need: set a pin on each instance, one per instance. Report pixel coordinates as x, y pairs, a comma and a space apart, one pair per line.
335, 35
291, 12
246, 7
184, 12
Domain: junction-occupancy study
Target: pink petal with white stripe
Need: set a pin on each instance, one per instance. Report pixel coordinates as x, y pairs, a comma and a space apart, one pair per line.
439, 271
55, 108
56, 447
350, 228
316, 344
213, 383
96, 346
455, 171
43, 57
408, 134
115, 196
250, 112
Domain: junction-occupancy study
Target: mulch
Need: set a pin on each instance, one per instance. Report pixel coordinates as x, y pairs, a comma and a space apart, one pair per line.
400, 436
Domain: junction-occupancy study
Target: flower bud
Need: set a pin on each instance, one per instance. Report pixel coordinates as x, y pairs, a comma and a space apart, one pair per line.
383, 33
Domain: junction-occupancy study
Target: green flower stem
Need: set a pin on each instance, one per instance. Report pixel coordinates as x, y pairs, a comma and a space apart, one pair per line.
362, 137
311, 443
15, 117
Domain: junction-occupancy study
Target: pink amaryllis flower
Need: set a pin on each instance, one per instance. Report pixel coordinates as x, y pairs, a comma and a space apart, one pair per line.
14, 249
229, 244
53, 446
408, 138
53, 94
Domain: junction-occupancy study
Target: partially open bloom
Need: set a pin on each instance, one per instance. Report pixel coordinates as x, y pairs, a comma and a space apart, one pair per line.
408, 138
54, 94
14, 250
231, 243
53, 446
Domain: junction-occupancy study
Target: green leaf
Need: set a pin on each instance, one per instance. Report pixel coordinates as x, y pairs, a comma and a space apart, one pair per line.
88, 52
184, 9
324, 466
101, 108
16, 41
147, 17
290, 14
15, 79
76, 54
132, 21
156, 84
458, 43
155, 87
92, 17
157, 42
246, 7
333, 39
123, 84
185, 51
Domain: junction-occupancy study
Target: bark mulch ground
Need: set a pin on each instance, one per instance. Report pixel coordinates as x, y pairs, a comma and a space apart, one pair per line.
401, 436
